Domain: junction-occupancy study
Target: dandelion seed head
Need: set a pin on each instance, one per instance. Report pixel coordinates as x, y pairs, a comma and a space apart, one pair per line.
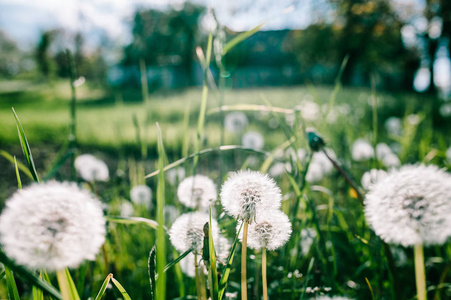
127, 209
222, 248
411, 206
391, 160
271, 230
188, 267
187, 231
170, 214
197, 191
383, 150
51, 226
141, 195
246, 191
253, 140
91, 168
371, 177
175, 175
393, 125
235, 122
362, 150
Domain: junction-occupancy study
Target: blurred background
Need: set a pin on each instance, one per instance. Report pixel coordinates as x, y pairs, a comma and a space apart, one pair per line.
402, 43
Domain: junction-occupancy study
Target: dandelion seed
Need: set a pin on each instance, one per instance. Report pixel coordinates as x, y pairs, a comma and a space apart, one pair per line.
91, 168
271, 230
362, 150
187, 232
411, 206
235, 122
371, 177
52, 226
197, 191
141, 195
245, 192
253, 140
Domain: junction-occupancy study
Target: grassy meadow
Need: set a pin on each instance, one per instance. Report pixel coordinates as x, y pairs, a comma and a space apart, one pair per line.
331, 251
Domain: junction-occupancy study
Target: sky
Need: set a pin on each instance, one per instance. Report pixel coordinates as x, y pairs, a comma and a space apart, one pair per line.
24, 20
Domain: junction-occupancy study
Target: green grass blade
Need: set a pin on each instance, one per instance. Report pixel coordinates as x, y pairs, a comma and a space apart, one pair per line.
152, 266
67, 286
227, 268
26, 148
19, 182
58, 164
307, 277
29, 276
37, 294
103, 287
214, 273
11, 283
161, 238
135, 220
21, 166
241, 37
121, 289
203, 105
175, 261
207, 151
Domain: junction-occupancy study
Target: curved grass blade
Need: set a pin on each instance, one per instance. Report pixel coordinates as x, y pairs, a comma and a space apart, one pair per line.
241, 37
121, 289
11, 283
251, 107
307, 277
103, 287
182, 256
226, 269
135, 220
59, 163
206, 151
26, 148
152, 266
21, 166
19, 182
30, 276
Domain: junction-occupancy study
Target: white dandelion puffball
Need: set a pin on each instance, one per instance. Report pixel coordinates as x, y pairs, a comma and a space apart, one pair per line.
371, 177
308, 236
91, 168
235, 122
175, 175
314, 173
52, 226
391, 160
382, 150
187, 232
253, 140
393, 125
411, 206
222, 248
246, 192
197, 191
170, 214
271, 230
362, 150
141, 195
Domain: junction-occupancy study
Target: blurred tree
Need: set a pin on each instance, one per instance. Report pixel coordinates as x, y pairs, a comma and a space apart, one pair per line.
165, 37
369, 31
9, 56
43, 57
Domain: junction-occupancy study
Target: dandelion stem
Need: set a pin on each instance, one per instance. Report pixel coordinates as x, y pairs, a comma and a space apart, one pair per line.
264, 281
420, 273
243, 262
